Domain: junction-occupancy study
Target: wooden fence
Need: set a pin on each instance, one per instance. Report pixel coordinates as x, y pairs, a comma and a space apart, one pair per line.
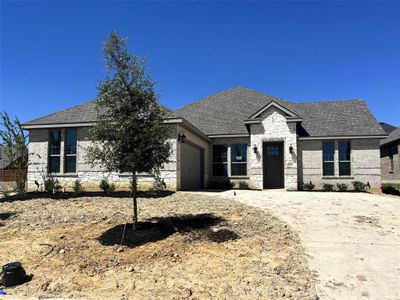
8, 175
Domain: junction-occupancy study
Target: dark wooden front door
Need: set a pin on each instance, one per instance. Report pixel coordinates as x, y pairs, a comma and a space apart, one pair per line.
273, 165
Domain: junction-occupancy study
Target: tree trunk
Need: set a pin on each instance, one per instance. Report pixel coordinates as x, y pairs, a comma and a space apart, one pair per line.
134, 199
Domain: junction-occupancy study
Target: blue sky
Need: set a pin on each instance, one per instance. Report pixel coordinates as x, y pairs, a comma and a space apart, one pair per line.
51, 55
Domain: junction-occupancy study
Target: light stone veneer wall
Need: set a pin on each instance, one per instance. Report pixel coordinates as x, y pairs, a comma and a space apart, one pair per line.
273, 128
365, 163
90, 176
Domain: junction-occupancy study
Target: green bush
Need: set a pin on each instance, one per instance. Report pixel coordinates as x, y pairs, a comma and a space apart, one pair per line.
104, 185
327, 187
111, 189
387, 189
51, 185
158, 183
342, 187
308, 186
359, 186
78, 187
243, 185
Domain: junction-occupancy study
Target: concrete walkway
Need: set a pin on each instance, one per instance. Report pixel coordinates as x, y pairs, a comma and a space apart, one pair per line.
352, 240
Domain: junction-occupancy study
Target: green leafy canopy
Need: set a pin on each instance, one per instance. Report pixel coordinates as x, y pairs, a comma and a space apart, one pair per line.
130, 134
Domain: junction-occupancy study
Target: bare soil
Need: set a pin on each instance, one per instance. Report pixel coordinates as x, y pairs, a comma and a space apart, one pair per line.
187, 246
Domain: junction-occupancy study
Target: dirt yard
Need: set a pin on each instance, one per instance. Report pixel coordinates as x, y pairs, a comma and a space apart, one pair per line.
188, 247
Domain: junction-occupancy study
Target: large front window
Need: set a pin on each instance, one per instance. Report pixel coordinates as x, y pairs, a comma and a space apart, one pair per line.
344, 158
328, 158
220, 160
239, 160
70, 151
55, 151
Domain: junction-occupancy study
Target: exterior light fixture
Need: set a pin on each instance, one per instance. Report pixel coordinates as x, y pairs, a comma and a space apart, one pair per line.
182, 138
255, 148
291, 148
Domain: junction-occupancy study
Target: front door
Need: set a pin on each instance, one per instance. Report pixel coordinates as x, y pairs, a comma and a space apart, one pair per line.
273, 165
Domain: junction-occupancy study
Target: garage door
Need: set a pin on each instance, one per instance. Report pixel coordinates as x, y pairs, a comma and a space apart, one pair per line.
190, 167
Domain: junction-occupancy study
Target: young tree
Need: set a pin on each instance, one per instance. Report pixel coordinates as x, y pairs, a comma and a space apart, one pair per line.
129, 134
15, 142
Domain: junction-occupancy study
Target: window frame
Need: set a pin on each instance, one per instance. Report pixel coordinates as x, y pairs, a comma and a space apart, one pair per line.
328, 161
51, 155
239, 162
66, 154
344, 160
223, 163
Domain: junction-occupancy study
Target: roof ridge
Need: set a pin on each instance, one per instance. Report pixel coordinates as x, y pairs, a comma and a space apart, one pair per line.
331, 101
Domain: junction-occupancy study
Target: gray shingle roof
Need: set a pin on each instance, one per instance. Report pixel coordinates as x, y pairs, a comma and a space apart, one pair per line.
83, 113
224, 113
393, 136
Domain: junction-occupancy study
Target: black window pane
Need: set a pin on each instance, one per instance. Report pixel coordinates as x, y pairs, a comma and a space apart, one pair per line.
70, 164
220, 153
239, 153
54, 164
328, 151
71, 141
328, 169
344, 150
55, 142
344, 169
220, 169
239, 169
272, 150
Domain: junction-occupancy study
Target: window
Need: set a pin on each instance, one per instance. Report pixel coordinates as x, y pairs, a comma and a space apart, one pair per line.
54, 151
220, 160
70, 151
328, 158
344, 158
272, 150
239, 160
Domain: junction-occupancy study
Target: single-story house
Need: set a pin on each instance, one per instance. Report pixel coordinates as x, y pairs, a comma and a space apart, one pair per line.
235, 135
390, 154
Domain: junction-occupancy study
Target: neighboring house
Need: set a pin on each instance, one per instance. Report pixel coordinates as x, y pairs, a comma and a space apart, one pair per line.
390, 154
235, 135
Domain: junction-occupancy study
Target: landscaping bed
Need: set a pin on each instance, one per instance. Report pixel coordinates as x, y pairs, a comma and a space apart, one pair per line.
187, 246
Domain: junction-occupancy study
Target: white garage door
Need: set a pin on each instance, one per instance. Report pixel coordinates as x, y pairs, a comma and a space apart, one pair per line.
190, 167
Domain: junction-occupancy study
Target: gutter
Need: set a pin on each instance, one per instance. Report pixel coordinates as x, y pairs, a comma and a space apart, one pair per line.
341, 137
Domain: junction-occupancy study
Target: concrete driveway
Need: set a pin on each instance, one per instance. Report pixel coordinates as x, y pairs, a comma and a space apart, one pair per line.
352, 240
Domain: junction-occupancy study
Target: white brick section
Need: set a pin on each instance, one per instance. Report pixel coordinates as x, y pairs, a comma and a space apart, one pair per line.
273, 128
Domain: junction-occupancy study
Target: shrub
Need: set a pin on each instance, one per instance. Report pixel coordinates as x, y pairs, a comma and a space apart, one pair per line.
158, 183
111, 189
342, 187
327, 187
51, 185
78, 187
308, 186
359, 186
243, 185
387, 189
104, 185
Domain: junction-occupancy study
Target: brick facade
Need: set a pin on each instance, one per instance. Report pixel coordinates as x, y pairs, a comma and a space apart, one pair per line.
390, 162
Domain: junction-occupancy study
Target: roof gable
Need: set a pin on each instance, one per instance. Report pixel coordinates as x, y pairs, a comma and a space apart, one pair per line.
278, 106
